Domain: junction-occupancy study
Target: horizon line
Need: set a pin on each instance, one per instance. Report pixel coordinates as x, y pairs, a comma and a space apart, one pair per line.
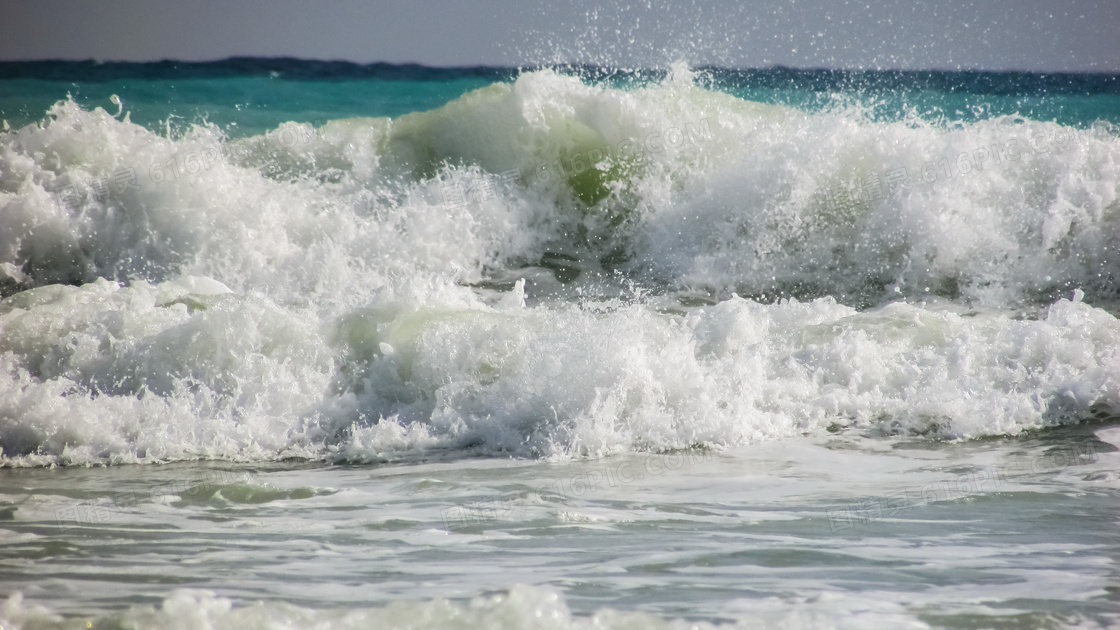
548, 65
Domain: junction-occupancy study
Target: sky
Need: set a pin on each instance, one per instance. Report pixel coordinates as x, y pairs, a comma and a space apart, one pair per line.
1035, 35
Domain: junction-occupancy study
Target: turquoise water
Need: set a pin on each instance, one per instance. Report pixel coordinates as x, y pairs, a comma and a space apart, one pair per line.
255, 96
303, 344
242, 104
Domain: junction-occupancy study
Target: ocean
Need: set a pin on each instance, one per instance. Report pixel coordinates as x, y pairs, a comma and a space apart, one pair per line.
294, 344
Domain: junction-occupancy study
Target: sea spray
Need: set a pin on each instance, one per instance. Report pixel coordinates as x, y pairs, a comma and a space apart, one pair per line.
550, 267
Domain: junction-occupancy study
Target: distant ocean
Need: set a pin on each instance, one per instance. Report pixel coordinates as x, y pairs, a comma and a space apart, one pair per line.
294, 344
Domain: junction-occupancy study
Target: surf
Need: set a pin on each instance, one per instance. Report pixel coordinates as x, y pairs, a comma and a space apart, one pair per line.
550, 266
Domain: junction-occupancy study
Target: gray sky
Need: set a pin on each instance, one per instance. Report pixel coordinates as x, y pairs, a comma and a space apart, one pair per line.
1041, 35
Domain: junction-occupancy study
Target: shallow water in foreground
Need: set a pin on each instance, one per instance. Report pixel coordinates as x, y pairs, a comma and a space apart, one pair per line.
838, 532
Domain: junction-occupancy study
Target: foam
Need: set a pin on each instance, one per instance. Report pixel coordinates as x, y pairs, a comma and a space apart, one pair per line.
323, 292
520, 607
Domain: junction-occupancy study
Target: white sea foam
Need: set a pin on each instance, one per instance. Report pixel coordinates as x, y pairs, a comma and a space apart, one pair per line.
344, 292
521, 607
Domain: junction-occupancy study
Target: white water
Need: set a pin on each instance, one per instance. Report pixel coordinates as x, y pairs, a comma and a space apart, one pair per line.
371, 313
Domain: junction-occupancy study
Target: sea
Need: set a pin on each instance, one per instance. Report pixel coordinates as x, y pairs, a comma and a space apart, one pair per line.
300, 344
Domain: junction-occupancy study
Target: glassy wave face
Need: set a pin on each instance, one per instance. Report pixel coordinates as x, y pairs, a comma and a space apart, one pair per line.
556, 263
